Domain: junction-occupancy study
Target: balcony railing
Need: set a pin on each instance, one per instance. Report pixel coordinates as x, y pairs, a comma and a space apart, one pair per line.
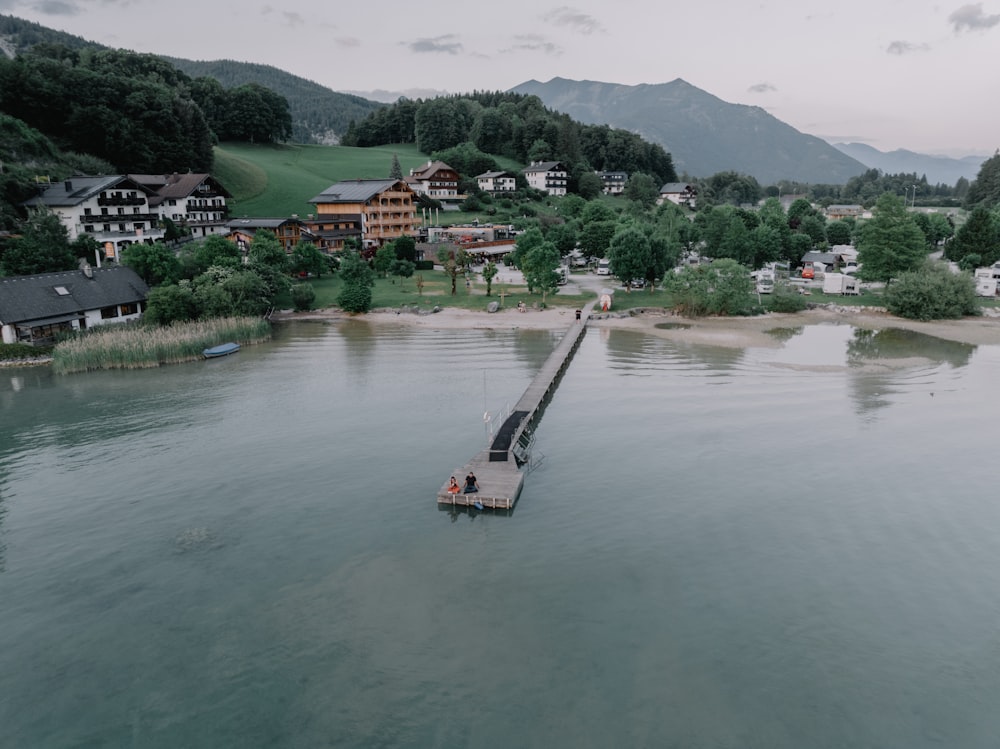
124, 200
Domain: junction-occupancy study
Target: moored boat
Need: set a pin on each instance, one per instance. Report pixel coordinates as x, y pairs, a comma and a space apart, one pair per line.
224, 349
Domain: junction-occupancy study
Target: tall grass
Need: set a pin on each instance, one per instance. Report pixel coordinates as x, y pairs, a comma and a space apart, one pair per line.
136, 346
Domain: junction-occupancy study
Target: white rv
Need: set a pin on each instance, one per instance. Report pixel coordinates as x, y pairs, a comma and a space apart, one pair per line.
604, 267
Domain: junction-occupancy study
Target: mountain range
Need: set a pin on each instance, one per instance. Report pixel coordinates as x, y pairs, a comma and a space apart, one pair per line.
937, 169
704, 134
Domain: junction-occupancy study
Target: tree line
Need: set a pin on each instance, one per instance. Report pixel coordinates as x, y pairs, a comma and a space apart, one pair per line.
514, 126
135, 111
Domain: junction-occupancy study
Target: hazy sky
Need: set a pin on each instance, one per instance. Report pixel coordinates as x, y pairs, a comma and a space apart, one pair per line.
891, 73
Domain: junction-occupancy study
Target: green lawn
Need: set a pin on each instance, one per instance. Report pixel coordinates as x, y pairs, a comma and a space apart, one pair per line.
279, 180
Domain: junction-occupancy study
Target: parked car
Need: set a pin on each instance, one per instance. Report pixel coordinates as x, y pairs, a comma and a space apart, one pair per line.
808, 272
637, 283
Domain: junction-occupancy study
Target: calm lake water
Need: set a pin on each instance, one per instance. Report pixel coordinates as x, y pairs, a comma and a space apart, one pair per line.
789, 547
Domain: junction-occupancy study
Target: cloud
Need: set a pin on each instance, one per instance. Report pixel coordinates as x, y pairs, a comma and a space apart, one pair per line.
906, 48
446, 44
533, 43
971, 18
761, 88
57, 8
573, 19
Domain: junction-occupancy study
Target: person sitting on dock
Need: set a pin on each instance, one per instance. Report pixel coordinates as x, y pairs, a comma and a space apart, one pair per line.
453, 487
471, 486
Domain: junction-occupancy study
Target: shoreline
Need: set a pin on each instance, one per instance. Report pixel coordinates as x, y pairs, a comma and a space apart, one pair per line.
727, 332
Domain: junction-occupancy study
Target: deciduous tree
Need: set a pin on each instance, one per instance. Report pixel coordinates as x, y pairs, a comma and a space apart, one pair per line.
890, 243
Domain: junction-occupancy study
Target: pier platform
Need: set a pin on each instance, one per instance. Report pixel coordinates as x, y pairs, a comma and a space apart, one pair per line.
498, 466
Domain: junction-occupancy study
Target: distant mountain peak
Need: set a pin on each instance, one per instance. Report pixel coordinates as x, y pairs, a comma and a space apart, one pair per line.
704, 134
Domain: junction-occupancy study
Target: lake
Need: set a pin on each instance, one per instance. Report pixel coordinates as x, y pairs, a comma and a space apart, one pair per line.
764, 547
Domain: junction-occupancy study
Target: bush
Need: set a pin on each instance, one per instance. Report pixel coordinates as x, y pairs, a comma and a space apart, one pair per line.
355, 297
424, 265
15, 351
932, 293
303, 296
786, 299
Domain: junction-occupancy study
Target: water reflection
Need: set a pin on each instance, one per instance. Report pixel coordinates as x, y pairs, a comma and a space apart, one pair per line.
896, 343
785, 334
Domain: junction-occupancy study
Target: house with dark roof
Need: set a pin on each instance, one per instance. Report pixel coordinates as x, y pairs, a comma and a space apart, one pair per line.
34, 309
496, 182
548, 176
383, 208
288, 231
436, 180
193, 201
115, 210
680, 193
613, 183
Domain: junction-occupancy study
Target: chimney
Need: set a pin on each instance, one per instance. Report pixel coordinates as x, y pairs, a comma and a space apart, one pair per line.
69, 186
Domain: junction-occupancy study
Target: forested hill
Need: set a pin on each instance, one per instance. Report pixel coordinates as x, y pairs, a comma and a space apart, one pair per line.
319, 115
516, 126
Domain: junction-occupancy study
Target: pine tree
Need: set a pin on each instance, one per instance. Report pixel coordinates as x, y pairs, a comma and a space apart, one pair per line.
396, 172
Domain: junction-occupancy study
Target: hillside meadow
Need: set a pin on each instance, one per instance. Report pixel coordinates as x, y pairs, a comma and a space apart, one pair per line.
279, 180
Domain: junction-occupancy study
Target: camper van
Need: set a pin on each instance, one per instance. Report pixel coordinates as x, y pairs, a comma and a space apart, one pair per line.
764, 280
604, 268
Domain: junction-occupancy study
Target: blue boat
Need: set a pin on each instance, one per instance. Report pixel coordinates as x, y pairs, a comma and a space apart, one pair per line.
224, 349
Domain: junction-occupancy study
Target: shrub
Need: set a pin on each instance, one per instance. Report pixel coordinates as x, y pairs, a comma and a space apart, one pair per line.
424, 265
303, 296
932, 293
355, 297
786, 299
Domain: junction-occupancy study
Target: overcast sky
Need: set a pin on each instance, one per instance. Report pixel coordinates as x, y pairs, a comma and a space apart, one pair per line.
891, 73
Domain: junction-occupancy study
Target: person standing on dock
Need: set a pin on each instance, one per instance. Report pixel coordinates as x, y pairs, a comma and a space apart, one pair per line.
471, 485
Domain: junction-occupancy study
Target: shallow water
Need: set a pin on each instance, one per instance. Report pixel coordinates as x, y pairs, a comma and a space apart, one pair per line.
729, 548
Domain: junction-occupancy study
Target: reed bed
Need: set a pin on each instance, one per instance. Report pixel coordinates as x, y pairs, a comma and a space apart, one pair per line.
137, 346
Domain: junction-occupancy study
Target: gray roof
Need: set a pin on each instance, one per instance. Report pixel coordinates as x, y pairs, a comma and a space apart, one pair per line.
545, 166
819, 257
676, 187
355, 190
493, 175
78, 189
28, 298
260, 223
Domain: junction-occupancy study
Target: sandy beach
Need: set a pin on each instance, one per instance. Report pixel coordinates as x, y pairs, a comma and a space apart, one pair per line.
731, 332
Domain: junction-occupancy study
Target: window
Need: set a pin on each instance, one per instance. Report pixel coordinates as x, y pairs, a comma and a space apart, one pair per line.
121, 211
104, 210
107, 227
108, 312
86, 211
121, 227
61, 290
171, 202
130, 309
135, 210
88, 228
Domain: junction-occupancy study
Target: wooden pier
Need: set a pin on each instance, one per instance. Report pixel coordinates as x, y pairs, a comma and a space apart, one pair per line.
497, 467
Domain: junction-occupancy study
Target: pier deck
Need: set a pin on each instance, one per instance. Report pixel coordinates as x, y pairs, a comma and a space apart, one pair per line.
497, 467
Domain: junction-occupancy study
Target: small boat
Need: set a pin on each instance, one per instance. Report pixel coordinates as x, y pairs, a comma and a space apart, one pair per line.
224, 349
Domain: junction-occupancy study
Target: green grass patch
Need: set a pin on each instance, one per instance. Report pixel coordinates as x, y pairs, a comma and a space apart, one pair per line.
279, 180
136, 346
22, 351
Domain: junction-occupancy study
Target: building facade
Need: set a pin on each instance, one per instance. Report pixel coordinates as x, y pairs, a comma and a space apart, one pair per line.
383, 208
548, 176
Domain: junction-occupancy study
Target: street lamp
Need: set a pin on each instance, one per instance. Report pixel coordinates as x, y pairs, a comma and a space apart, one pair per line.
913, 202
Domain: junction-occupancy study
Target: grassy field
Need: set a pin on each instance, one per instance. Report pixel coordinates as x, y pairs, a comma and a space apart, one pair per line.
279, 180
